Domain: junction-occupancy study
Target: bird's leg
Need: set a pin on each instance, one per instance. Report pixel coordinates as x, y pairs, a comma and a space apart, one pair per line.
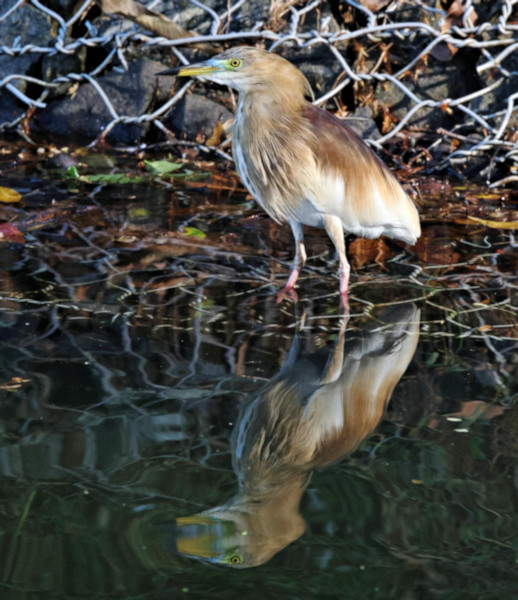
335, 231
298, 262
335, 363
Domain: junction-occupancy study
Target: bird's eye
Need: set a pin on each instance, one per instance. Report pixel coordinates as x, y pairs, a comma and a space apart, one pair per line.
235, 560
235, 62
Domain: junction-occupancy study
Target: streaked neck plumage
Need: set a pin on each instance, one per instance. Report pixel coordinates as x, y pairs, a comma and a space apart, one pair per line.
271, 139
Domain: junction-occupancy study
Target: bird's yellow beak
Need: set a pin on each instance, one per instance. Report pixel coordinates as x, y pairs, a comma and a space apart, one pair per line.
195, 70
197, 536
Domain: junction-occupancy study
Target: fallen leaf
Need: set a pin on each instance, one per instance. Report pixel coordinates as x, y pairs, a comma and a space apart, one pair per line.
194, 232
162, 167
9, 196
112, 178
154, 22
477, 409
374, 5
189, 175
126, 239
363, 251
71, 173
14, 384
138, 213
435, 247
217, 135
455, 17
47, 218
495, 224
9, 233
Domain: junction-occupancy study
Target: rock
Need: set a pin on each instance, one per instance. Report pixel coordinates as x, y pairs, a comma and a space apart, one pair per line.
363, 124
59, 65
496, 100
317, 64
195, 114
437, 81
250, 14
191, 17
65, 8
197, 20
85, 115
10, 108
28, 24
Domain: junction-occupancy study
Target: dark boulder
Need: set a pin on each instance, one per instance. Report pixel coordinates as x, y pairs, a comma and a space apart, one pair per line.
436, 81
195, 114
85, 115
25, 25
363, 124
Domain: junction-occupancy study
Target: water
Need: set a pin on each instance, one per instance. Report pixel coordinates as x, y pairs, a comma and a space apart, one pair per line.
168, 430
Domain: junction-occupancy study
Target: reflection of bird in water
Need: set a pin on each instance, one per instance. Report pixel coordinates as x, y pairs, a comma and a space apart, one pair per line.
316, 411
303, 165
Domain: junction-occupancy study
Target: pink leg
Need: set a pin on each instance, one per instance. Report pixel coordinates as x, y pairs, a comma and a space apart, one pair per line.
335, 231
298, 263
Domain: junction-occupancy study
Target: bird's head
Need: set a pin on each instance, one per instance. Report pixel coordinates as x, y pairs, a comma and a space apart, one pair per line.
246, 69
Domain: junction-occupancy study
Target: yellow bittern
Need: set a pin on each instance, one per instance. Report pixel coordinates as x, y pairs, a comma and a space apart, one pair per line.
302, 164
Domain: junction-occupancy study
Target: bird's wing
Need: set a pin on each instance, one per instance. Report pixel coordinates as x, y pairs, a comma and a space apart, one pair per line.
355, 184
347, 410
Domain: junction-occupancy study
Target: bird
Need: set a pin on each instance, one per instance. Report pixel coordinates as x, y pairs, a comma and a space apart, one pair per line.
302, 164
313, 413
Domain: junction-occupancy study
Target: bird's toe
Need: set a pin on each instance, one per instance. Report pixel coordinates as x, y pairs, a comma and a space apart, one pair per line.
287, 293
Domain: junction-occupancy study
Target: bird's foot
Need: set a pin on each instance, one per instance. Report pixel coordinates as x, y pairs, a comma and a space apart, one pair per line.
289, 293
288, 290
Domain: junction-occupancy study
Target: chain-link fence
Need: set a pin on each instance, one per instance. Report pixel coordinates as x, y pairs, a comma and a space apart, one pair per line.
440, 78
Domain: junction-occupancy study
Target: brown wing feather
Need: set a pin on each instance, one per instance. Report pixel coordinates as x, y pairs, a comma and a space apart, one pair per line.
371, 192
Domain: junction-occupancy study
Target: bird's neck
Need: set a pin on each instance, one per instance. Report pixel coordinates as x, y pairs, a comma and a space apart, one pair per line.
266, 113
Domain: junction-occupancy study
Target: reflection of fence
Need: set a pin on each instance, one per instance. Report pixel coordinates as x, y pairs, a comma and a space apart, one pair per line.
488, 113
159, 340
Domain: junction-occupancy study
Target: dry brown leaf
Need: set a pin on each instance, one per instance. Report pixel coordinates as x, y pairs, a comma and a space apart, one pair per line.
454, 18
363, 251
374, 5
278, 11
478, 409
435, 247
154, 22
217, 135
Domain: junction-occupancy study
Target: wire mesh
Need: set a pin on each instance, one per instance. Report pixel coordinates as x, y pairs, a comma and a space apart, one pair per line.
489, 111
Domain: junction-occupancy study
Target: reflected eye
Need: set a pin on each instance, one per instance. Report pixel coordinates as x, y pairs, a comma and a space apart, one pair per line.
235, 63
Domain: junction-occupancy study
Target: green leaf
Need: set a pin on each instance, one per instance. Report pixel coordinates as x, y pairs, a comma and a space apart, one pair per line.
138, 213
432, 359
162, 167
157, 168
193, 232
190, 175
72, 173
113, 178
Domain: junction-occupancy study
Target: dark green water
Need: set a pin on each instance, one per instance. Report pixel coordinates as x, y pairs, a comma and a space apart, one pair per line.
163, 420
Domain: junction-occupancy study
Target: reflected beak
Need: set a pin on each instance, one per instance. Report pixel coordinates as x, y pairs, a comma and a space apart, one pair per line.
200, 535
196, 70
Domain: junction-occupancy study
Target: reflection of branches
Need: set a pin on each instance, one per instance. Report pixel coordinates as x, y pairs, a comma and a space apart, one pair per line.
162, 341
